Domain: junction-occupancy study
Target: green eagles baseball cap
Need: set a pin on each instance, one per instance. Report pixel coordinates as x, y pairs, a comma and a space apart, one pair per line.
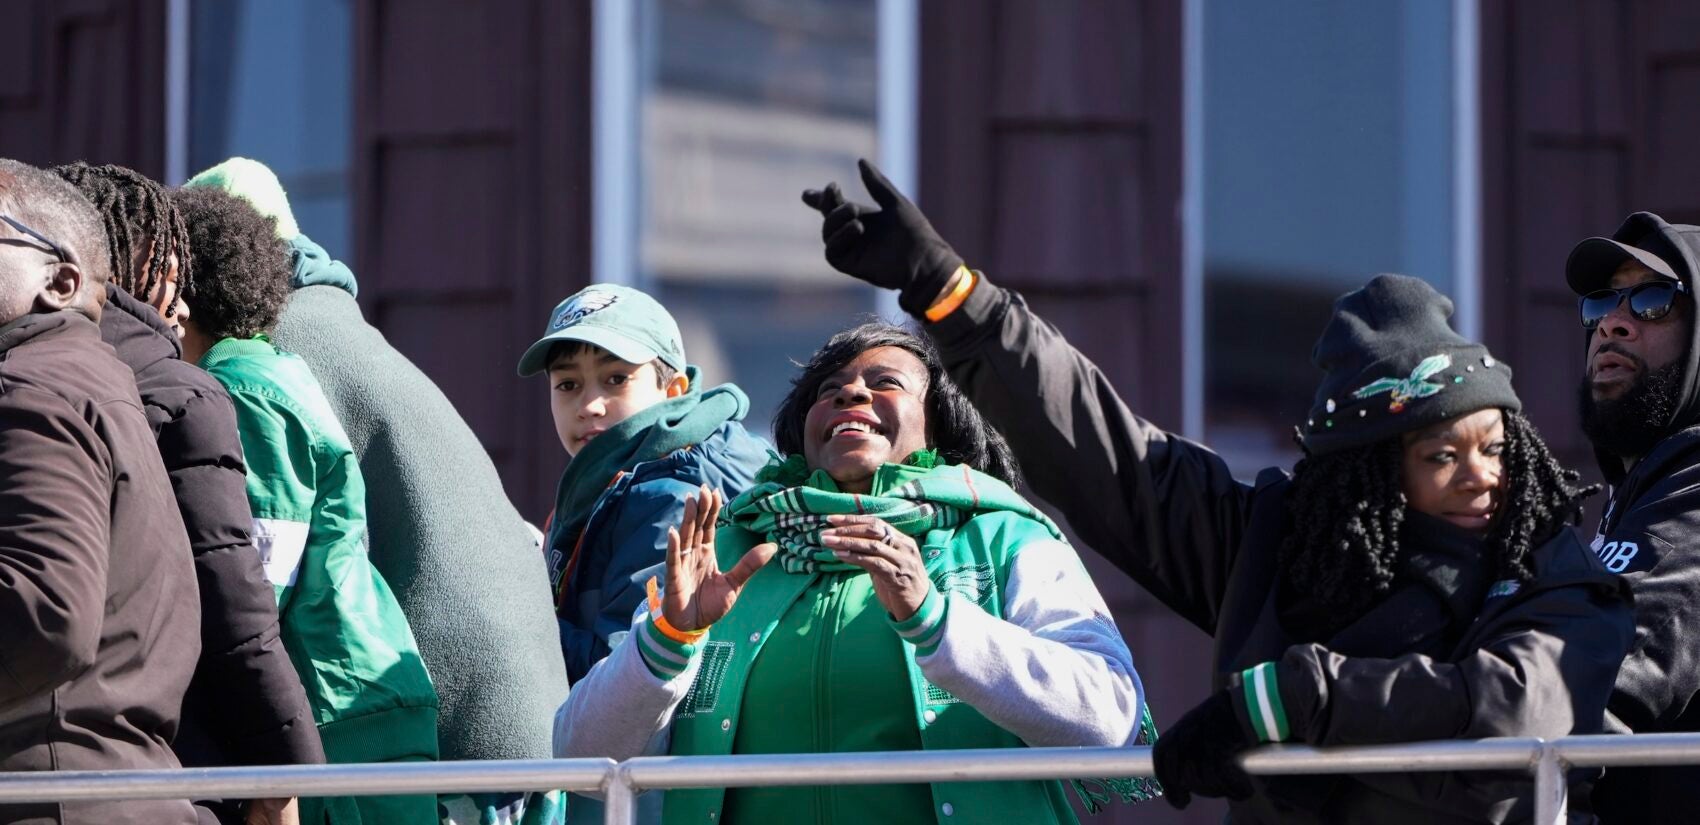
626, 322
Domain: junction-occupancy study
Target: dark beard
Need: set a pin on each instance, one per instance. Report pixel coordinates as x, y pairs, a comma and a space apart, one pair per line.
1631, 425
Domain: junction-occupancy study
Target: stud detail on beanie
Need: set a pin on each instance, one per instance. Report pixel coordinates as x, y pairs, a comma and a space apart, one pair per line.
1403, 390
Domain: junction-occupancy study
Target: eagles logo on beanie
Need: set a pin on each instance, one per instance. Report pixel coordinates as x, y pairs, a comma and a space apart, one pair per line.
1392, 363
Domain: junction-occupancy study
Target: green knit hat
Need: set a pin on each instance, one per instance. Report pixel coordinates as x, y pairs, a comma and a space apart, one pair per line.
255, 183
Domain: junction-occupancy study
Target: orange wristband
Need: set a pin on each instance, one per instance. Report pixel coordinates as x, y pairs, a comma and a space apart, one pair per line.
684, 637
959, 293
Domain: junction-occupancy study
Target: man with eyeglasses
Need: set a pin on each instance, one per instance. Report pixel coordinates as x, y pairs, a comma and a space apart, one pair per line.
1641, 409
99, 613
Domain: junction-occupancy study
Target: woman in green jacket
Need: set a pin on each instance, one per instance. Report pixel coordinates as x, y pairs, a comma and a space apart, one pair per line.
885, 590
347, 637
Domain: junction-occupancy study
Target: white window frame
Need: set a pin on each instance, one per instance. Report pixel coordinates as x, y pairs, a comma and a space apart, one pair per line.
617, 40
177, 34
1466, 195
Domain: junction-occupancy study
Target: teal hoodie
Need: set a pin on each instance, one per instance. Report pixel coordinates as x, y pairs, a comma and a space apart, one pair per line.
613, 507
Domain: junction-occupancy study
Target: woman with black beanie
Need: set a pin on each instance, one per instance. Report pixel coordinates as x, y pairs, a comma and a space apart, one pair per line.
1412, 578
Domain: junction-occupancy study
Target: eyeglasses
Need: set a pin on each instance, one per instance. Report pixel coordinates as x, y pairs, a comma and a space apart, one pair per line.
58, 251
1648, 301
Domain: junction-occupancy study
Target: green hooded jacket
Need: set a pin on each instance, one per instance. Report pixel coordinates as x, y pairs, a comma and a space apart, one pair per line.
370, 694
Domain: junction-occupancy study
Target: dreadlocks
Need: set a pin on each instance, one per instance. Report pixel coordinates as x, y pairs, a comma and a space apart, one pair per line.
1347, 507
139, 217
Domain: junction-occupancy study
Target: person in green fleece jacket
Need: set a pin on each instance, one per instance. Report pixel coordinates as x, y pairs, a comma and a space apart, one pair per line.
371, 696
886, 589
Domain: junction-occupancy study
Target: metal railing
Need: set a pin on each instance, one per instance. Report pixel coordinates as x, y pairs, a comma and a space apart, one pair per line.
619, 782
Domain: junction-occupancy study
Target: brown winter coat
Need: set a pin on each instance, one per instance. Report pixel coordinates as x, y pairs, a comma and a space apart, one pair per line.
99, 614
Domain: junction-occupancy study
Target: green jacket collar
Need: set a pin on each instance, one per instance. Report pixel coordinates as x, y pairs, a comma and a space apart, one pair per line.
230, 348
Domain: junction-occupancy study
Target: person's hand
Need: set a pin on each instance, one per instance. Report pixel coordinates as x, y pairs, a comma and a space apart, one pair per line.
697, 593
892, 247
893, 561
1199, 755
273, 812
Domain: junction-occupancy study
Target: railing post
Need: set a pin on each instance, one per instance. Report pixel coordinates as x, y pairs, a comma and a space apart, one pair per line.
1552, 787
619, 801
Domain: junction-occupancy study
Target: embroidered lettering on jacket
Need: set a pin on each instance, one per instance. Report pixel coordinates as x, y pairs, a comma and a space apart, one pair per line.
1617, 554
704, 694
936, 695
974, 582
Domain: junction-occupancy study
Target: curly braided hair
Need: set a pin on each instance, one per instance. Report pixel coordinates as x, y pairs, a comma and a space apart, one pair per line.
1347, 507
138, 216
244, 265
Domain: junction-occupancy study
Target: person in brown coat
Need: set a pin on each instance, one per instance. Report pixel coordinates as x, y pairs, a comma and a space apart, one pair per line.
99, 613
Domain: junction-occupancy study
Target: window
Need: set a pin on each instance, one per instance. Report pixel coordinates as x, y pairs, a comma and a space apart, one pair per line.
1329, 152
272, 81
739, 105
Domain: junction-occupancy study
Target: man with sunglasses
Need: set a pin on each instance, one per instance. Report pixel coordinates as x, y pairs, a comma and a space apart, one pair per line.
1641, 410
99, 611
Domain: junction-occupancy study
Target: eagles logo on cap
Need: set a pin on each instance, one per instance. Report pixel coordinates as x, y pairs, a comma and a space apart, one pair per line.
629, 324
591, 301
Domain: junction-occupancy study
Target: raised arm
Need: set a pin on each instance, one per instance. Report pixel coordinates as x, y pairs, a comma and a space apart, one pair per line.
1163, 509
624, 705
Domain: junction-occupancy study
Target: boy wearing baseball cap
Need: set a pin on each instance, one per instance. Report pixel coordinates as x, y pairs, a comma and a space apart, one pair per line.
642, 435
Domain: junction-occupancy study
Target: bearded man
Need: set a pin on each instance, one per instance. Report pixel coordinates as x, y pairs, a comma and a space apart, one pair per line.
1641, 410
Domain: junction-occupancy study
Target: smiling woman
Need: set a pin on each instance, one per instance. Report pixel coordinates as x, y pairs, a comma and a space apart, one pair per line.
885, 588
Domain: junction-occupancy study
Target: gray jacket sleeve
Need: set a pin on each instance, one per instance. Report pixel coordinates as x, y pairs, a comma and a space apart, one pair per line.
1163, 509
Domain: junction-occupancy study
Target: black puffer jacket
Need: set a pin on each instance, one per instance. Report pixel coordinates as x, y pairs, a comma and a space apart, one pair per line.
1448, 654
1649, 534
245, 705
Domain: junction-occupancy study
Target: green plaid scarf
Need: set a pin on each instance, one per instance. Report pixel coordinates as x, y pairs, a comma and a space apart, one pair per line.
789, 505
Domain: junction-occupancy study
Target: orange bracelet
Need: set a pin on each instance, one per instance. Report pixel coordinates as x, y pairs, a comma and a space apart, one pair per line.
684, 637
959, 293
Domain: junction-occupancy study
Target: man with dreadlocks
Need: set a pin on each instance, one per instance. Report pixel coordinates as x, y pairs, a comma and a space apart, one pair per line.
1413, 578
98, 614
1640, 400
245, 705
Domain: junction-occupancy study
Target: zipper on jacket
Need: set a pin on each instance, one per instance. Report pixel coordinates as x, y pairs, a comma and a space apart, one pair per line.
827, 629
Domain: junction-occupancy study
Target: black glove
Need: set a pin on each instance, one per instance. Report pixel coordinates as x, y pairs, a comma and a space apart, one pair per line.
1197, 755
892, 247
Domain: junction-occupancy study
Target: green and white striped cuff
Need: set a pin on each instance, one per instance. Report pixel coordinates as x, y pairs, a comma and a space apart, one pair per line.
925, 629
1263, 703
664, 657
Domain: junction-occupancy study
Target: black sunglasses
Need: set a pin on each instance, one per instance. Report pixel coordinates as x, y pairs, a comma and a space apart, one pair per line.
1648, 301
58, 251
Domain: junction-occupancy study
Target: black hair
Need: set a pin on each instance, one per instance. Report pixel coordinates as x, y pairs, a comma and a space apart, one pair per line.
1347, 507
954, 427
47, 204
242, 266
138, 216
568, 349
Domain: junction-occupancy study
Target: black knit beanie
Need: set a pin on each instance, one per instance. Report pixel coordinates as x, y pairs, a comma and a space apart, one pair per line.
1392, 364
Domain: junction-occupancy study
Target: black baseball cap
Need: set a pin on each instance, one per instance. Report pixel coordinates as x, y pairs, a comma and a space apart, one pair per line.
1644, 237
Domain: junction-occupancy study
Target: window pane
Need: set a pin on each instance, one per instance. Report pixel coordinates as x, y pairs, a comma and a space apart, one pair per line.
1327, 159
271, 81
744, 105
